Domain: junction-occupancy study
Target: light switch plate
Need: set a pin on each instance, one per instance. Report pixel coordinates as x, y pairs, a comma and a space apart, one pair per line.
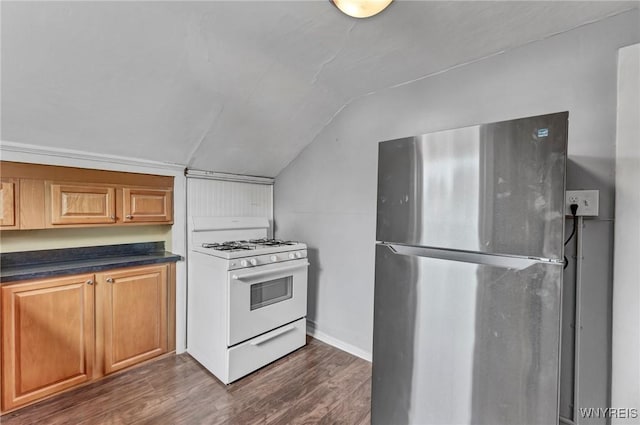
587, 200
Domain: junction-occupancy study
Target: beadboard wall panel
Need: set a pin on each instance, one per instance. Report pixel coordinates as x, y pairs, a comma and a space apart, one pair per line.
219, 198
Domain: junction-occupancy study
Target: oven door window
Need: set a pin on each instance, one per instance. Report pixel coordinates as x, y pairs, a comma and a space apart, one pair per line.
271, 292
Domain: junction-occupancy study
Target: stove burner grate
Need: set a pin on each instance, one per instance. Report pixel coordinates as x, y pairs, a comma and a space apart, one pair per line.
229, 246
272, 242
247, 245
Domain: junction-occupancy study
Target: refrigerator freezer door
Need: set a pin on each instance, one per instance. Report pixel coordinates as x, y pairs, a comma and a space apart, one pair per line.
494, 188
464, 343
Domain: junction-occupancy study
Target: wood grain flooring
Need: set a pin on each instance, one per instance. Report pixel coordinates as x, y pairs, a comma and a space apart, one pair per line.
318, 384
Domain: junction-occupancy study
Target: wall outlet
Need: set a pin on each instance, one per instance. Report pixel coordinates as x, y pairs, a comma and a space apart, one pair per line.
587, 201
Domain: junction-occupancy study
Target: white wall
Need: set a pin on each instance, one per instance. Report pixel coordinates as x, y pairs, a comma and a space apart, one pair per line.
327, 196
626, 291
33, 154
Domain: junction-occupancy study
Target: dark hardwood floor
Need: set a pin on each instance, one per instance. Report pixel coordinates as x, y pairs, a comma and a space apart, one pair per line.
317, 384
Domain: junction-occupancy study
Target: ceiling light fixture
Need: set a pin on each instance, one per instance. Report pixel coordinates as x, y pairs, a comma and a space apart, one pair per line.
361, 8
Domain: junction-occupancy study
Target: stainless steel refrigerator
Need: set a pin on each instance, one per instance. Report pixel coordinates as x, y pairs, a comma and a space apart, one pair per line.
468, 275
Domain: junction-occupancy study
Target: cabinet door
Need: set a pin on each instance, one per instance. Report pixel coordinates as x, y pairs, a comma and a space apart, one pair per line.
8, 203
133, 315
147, 205
47, 337
81, 204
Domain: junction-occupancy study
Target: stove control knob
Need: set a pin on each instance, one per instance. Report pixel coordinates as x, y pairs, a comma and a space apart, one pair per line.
298, 255
253, 261
291, 256
274, 258
244, 263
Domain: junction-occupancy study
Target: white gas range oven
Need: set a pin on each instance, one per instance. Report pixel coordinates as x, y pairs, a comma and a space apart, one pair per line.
247, 295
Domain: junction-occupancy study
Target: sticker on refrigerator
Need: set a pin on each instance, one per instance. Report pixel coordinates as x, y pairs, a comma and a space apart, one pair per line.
543, 132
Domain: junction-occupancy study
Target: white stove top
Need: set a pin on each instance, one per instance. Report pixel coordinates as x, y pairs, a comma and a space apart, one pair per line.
240, 237
248, 248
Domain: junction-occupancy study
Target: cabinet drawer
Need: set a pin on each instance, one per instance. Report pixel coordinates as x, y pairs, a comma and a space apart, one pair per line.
262, 350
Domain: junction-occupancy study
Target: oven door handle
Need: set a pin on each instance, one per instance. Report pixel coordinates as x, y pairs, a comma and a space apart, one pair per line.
267, 272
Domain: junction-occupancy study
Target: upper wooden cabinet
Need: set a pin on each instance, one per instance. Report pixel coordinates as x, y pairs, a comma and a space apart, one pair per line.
147, 205
8, 203
54, 197
81, 204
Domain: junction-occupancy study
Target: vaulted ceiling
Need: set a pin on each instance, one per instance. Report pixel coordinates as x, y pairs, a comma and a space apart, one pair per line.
234, 86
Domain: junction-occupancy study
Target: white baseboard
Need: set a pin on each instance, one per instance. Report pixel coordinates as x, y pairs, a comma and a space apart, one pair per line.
339, 344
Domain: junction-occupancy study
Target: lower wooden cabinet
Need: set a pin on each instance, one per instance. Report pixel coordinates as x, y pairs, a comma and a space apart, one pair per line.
47, 337
133, 316
62, 332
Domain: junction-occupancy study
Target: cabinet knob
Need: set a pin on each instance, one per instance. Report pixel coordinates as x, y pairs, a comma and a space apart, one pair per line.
110, 280
112, 217
89, 282
129, 216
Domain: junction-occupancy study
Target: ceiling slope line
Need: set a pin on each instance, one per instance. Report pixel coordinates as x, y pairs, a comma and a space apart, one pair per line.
257, 84
355, 98
459, 65
333, 57
210, 127
191, 157
215, 117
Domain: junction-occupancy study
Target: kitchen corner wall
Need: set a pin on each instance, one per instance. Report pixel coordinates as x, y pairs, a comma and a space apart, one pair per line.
326, 197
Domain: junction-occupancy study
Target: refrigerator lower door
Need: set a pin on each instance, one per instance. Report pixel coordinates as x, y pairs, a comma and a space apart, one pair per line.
465, 341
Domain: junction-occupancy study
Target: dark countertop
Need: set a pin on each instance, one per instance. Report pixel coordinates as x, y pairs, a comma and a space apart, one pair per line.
19, 266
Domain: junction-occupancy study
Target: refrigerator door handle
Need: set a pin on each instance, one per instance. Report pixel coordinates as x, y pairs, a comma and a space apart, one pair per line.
510, 262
